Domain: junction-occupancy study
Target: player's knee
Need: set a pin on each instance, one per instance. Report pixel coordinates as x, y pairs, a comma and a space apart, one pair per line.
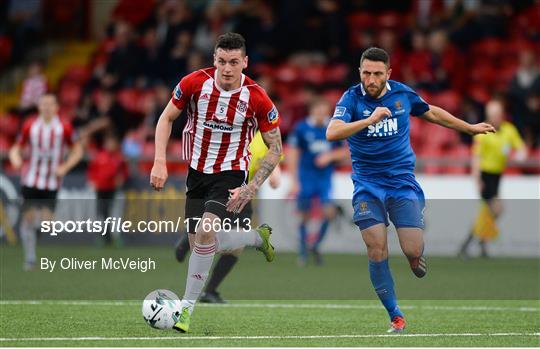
205, 236
413, 251
377, 253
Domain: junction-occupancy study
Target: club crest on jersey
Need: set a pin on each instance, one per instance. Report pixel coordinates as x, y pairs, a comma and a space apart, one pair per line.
399, 108
273, 115
340, 111
177, 92
242, 106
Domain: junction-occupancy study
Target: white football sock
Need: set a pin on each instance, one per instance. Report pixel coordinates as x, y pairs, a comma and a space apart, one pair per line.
199, 266
233, 239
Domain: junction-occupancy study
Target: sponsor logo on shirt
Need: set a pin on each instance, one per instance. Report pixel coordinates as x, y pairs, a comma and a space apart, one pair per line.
340, 111
273, 115
384, 128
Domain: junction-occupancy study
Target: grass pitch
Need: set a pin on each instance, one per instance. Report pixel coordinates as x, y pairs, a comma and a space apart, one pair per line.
475, 303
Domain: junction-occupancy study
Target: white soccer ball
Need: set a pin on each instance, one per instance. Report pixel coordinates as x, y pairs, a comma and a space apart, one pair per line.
161, 309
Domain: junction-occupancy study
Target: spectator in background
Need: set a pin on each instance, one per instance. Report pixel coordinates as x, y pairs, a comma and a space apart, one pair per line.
151, 58
105, 115
177, 59
445, 64
417, 68
33, 87
107, 172
124, 65
216, 22
524, 87
490, 153
387, 41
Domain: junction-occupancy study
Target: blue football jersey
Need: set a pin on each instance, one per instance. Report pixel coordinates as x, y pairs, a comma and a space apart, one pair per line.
311, 142
384, 148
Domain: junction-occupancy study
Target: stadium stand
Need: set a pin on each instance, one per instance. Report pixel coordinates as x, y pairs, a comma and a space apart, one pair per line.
454, 53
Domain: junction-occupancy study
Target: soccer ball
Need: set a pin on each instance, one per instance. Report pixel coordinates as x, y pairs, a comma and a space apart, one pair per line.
161, 309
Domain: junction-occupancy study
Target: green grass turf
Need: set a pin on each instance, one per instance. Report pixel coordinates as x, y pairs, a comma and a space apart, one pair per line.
478, 297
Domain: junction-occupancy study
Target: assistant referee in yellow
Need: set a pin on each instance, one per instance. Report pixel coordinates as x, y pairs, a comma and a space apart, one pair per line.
490, 154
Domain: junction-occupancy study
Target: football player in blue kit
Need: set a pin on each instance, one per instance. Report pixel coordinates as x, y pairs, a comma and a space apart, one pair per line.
311, 164
374, 118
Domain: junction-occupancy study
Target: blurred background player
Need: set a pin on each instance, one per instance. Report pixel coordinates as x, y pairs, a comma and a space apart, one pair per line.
311, 164
374, 118
47, 137
107, 172
228, 259
490, 154
225, 109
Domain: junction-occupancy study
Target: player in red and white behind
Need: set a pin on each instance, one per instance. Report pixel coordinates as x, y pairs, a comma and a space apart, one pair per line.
47, 137
225, 108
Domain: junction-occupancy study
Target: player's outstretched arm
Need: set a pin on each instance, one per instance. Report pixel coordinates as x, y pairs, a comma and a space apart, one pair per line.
441, 117
159, 175
242, 195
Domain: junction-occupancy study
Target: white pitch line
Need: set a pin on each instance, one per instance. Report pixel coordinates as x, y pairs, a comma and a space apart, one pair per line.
187, 338
281, 305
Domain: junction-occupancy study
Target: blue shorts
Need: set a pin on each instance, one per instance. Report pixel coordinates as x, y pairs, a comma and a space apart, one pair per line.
376, 200
311, 189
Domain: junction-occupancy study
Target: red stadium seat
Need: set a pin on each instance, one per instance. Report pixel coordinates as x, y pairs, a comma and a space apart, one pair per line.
9, 124
333, 95
448, 100
428, 155
287, 73
314, 74
360, 21
389, 20
490, 48
336, 73
479, 93
460, 153
69, 93
77, 73
5, 144
130, 99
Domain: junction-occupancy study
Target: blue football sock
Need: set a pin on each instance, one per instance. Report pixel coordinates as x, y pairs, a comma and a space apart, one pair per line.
382, 281
322, 233
303, 240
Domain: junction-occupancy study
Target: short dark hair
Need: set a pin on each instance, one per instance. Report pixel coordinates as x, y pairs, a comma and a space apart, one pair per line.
377, 55
231, 41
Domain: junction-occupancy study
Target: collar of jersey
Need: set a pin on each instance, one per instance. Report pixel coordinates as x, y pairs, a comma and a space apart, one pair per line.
231, 91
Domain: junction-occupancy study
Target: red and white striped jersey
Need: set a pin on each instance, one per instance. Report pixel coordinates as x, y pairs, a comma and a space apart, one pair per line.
221, 124
47, 142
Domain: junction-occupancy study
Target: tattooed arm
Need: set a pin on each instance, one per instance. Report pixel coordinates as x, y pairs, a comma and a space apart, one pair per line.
242, 195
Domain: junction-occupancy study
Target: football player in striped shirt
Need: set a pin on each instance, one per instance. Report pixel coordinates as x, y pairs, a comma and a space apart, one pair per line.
48, 138
225, 109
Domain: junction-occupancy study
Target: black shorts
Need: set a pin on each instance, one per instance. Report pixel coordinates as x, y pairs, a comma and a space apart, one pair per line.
38, 198
210, 193
490, 185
